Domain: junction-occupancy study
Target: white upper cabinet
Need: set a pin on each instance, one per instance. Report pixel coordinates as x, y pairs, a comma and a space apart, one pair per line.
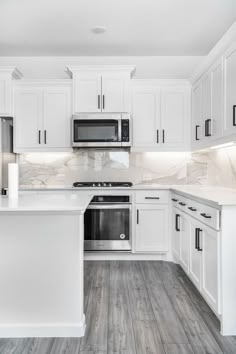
7, 74
161, 117
175, 117
207, 107
87, 93
42, 117
100, 88
27, 118
230, 91
146, 117
196, 114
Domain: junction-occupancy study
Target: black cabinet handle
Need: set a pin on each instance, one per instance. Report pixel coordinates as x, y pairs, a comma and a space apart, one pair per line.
207, 127
174, 200
152, 197
206, 216
99, 101
198, 239
39, 136
163, 136
157, 136
192, 209
181, 203
196, 132
137, 216
234, 115
177, 217
45, 136
103, 101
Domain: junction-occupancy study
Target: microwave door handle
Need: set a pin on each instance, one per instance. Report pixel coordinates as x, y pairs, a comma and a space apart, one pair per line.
119, 131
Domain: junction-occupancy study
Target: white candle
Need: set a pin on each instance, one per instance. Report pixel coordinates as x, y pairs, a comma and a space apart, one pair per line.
13, 180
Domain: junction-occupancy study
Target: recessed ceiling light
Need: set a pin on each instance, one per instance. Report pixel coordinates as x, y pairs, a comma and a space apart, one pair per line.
99, 29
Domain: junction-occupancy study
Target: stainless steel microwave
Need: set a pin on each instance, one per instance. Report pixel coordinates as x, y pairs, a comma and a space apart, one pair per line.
101, 130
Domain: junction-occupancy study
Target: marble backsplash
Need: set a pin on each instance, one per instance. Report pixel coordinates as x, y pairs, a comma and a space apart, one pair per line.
216, 167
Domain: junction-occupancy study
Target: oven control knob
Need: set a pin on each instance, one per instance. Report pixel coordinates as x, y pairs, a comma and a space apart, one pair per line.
99, 184
122, 236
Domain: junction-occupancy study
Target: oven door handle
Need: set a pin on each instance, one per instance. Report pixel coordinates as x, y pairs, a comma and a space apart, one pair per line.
110, 206
119, 130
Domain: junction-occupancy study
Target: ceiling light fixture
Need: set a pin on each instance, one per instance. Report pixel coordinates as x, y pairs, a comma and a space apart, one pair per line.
99, 29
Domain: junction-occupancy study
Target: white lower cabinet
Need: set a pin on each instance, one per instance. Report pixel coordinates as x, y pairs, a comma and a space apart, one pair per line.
199, 252
184, 241
209, 243
175, 234
194, 254
151, 228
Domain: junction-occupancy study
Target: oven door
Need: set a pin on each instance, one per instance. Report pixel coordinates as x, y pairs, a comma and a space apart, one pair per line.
97, 132
107, 227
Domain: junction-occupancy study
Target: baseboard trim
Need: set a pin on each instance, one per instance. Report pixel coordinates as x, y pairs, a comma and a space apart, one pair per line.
29, 330
116, 256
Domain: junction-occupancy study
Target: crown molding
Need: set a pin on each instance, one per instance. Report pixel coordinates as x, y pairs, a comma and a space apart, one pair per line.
71, 69
11, 70
217, 51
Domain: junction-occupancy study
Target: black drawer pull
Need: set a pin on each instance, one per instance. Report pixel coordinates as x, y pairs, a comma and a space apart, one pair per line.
177, 217
174, 200
234, 115
192, 209
137, 216
205, 215
152, 198
196, 132
157, 136
181, 203
198, 239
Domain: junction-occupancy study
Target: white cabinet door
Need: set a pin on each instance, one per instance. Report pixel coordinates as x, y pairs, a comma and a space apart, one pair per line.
5, 96
173, 118
28, 119
195, 258
87, 93
151, 228
113, 94
209, 243
175, 234
197, 114
230, 89
184, 242
57, 117
146, 117
217, 99
206, 102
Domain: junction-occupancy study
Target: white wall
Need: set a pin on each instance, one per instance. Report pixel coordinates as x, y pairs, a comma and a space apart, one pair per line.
153, 67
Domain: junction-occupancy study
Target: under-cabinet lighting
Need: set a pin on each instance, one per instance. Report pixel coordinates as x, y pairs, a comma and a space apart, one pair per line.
222, 145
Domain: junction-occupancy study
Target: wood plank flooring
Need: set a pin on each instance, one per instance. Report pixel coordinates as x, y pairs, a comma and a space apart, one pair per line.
136, 307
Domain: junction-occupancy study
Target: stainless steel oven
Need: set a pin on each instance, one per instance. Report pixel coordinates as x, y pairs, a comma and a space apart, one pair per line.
101, 130
107, 222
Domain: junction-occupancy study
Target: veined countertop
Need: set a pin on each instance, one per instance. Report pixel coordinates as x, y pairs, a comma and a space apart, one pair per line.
50, 201
79, 198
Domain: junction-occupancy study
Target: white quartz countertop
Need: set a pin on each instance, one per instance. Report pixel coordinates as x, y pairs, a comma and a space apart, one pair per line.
51, 201
211, 194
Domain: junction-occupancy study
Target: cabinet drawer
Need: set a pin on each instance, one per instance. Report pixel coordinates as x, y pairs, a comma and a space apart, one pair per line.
209, 216
152, 197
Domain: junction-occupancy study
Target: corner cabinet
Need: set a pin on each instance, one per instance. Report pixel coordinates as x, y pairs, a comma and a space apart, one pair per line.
101, 88
161, 117
42, 117
151, 222
7, 74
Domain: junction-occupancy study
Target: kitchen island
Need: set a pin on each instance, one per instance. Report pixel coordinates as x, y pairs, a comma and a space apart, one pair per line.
41, 264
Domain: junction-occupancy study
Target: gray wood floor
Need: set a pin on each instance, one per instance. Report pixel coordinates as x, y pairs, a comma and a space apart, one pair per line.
136, 307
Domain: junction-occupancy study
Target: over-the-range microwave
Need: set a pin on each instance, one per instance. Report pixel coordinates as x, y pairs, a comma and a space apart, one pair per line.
101, 130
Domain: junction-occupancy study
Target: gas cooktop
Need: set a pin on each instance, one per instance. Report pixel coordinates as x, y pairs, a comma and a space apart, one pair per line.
101, 184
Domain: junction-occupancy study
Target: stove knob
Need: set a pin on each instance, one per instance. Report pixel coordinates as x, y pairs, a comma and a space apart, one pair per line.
104, 184
94, 185
99, 184
110, 185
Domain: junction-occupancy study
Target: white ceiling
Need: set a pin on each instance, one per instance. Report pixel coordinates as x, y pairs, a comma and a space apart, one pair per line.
134, 27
